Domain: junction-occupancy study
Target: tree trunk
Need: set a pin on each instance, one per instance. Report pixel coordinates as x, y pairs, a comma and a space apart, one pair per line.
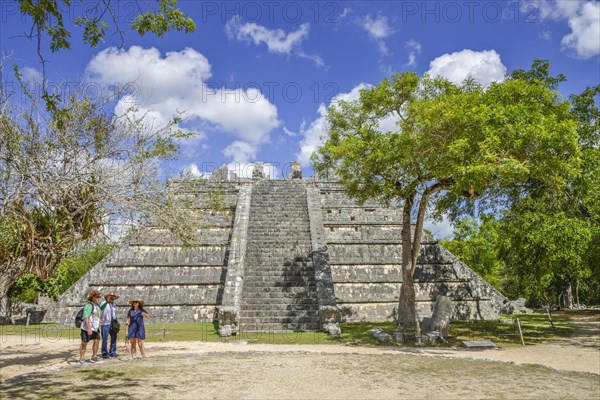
5, 313
569, 297
9, 274
549, 311
560, 299
406, 305
577, 294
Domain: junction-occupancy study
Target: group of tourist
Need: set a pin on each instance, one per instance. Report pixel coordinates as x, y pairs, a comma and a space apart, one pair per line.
98, 322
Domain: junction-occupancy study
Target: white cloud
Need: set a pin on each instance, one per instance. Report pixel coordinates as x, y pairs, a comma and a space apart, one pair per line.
583, 18
317, 129
31, 75
277, 40
178, 82
483, 66
389, 123
315, 58
344, 14
289, 132
240, 152
378, 29
414, 49
585, 36
192, 171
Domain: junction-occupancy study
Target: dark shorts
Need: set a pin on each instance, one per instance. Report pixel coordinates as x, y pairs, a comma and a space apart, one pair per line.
86, 338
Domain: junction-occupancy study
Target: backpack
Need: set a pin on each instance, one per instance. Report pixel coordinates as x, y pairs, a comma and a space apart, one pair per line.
79, 317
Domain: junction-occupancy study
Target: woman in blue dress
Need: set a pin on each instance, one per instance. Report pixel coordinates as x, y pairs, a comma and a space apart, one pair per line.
136, 331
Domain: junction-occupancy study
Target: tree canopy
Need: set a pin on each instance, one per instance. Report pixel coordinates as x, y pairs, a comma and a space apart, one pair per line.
65, 176
453, 144
48, 18
48, 21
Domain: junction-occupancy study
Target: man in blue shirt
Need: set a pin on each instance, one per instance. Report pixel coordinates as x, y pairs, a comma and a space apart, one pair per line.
109, 313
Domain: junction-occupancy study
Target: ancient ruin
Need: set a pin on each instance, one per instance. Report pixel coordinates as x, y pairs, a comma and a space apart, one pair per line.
292, 254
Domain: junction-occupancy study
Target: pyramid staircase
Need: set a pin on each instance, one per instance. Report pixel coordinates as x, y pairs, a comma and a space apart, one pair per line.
279, 285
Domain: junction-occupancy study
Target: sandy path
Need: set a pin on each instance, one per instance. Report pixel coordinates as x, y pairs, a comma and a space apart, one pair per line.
237, 369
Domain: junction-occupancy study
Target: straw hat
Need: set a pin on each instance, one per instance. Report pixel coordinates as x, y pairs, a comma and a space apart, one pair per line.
111, 294
139, 300
93, 294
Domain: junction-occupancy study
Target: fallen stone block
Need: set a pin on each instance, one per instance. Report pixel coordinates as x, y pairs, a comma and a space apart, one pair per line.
380, 335
478, 344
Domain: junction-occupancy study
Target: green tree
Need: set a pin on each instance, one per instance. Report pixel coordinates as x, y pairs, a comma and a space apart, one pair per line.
551, 237
48, 20
69, 270
453, 144
476, 244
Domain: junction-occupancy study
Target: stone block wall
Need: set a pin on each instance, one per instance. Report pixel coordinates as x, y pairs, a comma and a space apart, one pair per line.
365, 256
177, 283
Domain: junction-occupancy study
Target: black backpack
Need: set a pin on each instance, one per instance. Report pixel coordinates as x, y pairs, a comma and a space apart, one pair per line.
79, 317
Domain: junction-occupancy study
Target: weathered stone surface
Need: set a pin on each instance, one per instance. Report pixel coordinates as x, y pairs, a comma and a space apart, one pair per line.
228, 321
296, 170
442, 315
258, 172
35, 316
329, 319
515, 307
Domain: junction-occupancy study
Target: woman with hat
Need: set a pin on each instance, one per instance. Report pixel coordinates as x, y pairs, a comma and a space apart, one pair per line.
136, 331
109, 314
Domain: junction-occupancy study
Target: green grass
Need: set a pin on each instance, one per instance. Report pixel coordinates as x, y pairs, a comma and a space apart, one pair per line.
536, 329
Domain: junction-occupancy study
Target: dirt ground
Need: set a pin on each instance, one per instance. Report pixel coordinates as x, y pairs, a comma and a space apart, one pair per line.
568, 368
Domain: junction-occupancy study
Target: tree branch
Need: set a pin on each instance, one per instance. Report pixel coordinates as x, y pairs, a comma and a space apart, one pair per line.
437, 187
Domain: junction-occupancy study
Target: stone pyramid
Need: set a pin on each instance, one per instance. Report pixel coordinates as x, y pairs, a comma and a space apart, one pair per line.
295, 254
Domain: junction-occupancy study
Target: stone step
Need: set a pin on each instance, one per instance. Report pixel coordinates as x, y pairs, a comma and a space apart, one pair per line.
143, 275
257, 302
261, 294
285, 278
278, 314
280, 253
281, 307
281, 289
280, 280
259, 281
169, 256
280, 320
276, 327
259, 270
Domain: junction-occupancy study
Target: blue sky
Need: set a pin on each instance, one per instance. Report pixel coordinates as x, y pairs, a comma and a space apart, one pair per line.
255, 79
